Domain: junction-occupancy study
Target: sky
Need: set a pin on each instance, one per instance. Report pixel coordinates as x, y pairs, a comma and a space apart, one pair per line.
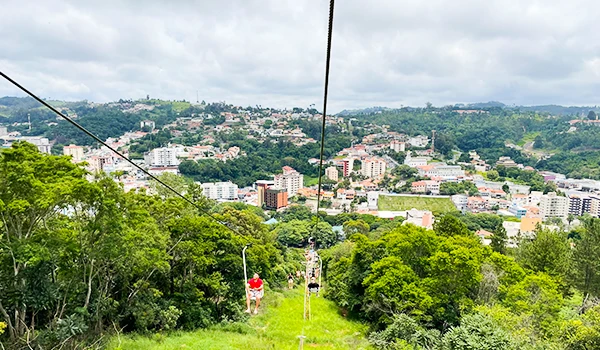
272, 52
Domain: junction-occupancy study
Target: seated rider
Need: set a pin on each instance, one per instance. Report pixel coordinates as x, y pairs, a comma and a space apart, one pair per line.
290, 278
313, 286
254, 290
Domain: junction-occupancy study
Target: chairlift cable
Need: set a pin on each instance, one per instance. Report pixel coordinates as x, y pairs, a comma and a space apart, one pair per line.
96, 138
325, 94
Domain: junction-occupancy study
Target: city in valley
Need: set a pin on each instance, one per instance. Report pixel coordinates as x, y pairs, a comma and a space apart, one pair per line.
370, 166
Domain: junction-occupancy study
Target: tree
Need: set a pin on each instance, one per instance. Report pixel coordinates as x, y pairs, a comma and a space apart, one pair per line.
548, 252
493, 175
538, 142
537, 295
33, 187
293, 233
586, 258
570, 218
506, 189
356, 226
477, 332
592, 115
499, 239
449, 226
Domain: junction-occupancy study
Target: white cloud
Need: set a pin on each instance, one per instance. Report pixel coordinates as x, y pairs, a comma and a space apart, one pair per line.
272, 52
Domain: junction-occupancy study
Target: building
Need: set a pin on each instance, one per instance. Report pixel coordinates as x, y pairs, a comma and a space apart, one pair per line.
398, 146
414, 162
440, 169
220, 190
332, 173
74, 151
419, 141
347, 166
595, 206
42, 143
373, 167
418, 187
506, 162
164, 156
460, 201
148, 124
517, 211
579, 205
553, 206
261, 187
290, 180
276, 198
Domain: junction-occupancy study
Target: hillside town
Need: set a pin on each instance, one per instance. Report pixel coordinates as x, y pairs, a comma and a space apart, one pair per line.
383, 173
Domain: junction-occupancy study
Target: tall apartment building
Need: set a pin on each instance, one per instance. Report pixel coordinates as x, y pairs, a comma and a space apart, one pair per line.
276, 198
163, 156
332, 173
347, 166
579, 205
42, 143
74, 151
553, 206
220, 190
373, 167
398, 146
290, 180
595, 206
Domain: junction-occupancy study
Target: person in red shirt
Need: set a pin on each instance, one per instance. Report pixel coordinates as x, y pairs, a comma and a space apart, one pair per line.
254, 289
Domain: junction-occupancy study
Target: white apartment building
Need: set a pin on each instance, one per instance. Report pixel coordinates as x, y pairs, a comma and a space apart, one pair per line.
373, 167
42, 143
332, 173
419, 141
74, 151
398, 146
290, 180
595, 206
164, 156
220, 190
553, 206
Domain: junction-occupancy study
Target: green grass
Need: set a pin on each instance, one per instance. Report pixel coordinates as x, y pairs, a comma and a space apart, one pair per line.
310, 181
277, 327
399, 203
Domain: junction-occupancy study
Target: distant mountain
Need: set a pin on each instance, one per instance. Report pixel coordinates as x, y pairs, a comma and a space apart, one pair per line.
370, 110
550, 109
490, 104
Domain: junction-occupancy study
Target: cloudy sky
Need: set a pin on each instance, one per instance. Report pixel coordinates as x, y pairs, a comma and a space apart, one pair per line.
272, 52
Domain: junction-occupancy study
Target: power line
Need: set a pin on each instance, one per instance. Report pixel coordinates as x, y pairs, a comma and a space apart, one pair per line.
90, 134
326, 91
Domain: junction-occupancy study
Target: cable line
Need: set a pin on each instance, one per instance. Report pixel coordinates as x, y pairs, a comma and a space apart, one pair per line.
90, 134
325, 93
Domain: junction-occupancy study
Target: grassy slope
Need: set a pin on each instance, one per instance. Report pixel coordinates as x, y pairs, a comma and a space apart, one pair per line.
398, 203
277, 327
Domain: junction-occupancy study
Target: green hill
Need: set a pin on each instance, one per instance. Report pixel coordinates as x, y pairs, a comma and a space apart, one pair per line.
277, 327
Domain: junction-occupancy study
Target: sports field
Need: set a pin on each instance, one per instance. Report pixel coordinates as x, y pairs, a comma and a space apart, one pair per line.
400, 203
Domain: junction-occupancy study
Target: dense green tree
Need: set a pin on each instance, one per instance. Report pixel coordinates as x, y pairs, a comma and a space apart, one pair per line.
499, 239
586, 258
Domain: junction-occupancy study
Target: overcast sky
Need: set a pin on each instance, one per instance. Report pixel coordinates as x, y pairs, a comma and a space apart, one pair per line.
272, 52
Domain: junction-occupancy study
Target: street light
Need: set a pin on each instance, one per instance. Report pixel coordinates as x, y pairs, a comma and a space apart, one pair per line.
244, 259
